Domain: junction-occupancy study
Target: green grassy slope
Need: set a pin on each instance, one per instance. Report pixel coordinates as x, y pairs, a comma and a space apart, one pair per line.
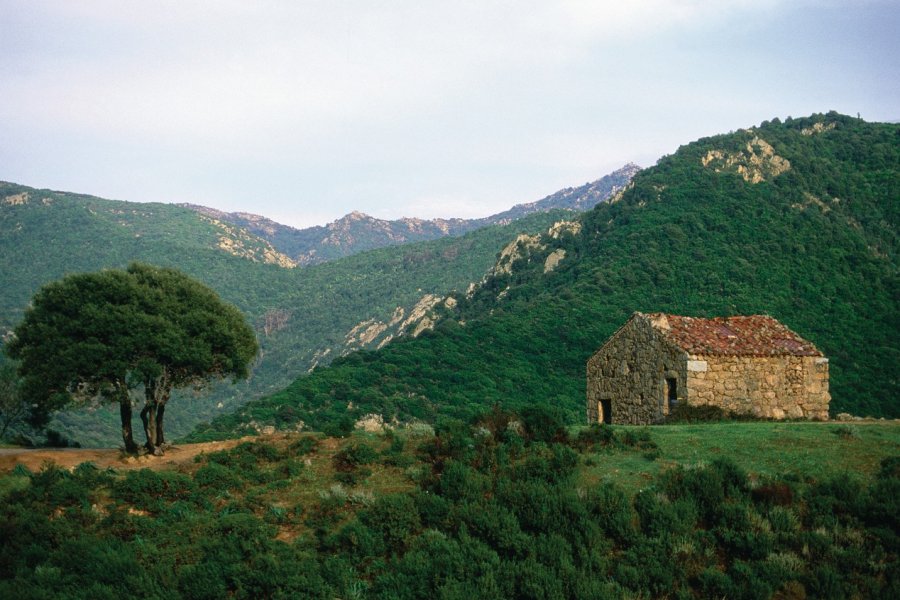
814, 245
505, 507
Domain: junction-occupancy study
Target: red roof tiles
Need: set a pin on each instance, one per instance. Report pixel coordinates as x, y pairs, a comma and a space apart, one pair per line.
755, 335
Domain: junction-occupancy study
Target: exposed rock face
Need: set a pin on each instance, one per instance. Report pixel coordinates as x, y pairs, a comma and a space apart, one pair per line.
561, 227
817, 128
365, 333
757, 163
16, 199
516, 249
372, 423
554, 259
810, 200
375, 333
239, 242
419, 318
640, 374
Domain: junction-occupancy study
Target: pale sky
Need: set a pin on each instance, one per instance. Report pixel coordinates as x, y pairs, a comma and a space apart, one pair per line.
304, 111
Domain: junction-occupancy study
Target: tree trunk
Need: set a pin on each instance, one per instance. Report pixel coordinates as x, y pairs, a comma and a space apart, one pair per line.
156, 392
148, 416
125, 414
160, 411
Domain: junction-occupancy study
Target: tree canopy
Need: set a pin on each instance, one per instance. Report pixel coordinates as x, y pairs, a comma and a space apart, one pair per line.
105, 333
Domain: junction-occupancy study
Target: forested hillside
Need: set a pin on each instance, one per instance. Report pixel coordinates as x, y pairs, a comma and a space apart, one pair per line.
302, 315
795, 219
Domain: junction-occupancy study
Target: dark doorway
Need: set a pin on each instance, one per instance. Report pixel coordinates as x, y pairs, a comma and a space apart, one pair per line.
604, 412
671, 394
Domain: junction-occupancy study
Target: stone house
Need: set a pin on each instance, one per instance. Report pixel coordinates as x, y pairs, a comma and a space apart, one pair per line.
746, 365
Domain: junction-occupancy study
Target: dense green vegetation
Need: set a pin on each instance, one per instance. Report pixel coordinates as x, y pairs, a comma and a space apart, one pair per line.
54, 234
101, 335
503, 507
815, 246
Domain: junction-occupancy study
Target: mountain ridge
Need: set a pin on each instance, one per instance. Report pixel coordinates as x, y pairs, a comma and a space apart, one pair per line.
358, 231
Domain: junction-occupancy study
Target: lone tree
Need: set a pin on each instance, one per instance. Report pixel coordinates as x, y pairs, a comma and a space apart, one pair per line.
13, 407
103, 334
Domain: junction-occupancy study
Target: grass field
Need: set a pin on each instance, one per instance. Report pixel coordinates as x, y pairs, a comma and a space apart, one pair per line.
804, 450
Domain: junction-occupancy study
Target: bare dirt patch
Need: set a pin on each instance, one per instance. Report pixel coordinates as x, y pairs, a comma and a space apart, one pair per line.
103, 458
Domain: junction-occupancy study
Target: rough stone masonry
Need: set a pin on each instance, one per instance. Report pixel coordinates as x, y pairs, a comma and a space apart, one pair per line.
743, 364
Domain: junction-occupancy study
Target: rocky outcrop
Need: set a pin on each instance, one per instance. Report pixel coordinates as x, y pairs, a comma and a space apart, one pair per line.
561, 227
516, 249
817, 128
239, 242
553, 259
16, 199
373, 333
757, 163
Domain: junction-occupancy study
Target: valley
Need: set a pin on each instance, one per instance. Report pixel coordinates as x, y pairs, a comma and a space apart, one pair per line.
304, 316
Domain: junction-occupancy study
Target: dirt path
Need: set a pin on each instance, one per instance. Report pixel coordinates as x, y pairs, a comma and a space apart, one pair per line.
108, 457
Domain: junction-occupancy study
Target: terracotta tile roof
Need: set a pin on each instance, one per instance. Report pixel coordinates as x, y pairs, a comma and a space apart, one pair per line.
755, 335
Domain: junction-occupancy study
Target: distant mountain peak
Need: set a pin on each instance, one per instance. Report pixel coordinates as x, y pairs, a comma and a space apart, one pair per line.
357, 231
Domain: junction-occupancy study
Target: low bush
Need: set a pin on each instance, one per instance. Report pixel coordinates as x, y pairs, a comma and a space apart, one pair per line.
354, 455
149, 490
305, 445
217, 477
594, 436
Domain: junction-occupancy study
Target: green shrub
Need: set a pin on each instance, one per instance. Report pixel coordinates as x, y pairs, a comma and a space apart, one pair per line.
305, 445
641, 440
339, 428
715, 584
217, 477
355, 541
21, 470
595, 435
846, 432
660, 516
611, 509
149, 490
889, 468
290, 468
544, 423
394, 517
58, 487
354, 455
352, 478
245, 459
461, 483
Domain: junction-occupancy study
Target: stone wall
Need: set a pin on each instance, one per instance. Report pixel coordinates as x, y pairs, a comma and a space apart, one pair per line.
630, 372
776, 387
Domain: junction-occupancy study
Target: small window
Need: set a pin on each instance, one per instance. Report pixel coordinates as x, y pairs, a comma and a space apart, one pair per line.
604, 411
671, 394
